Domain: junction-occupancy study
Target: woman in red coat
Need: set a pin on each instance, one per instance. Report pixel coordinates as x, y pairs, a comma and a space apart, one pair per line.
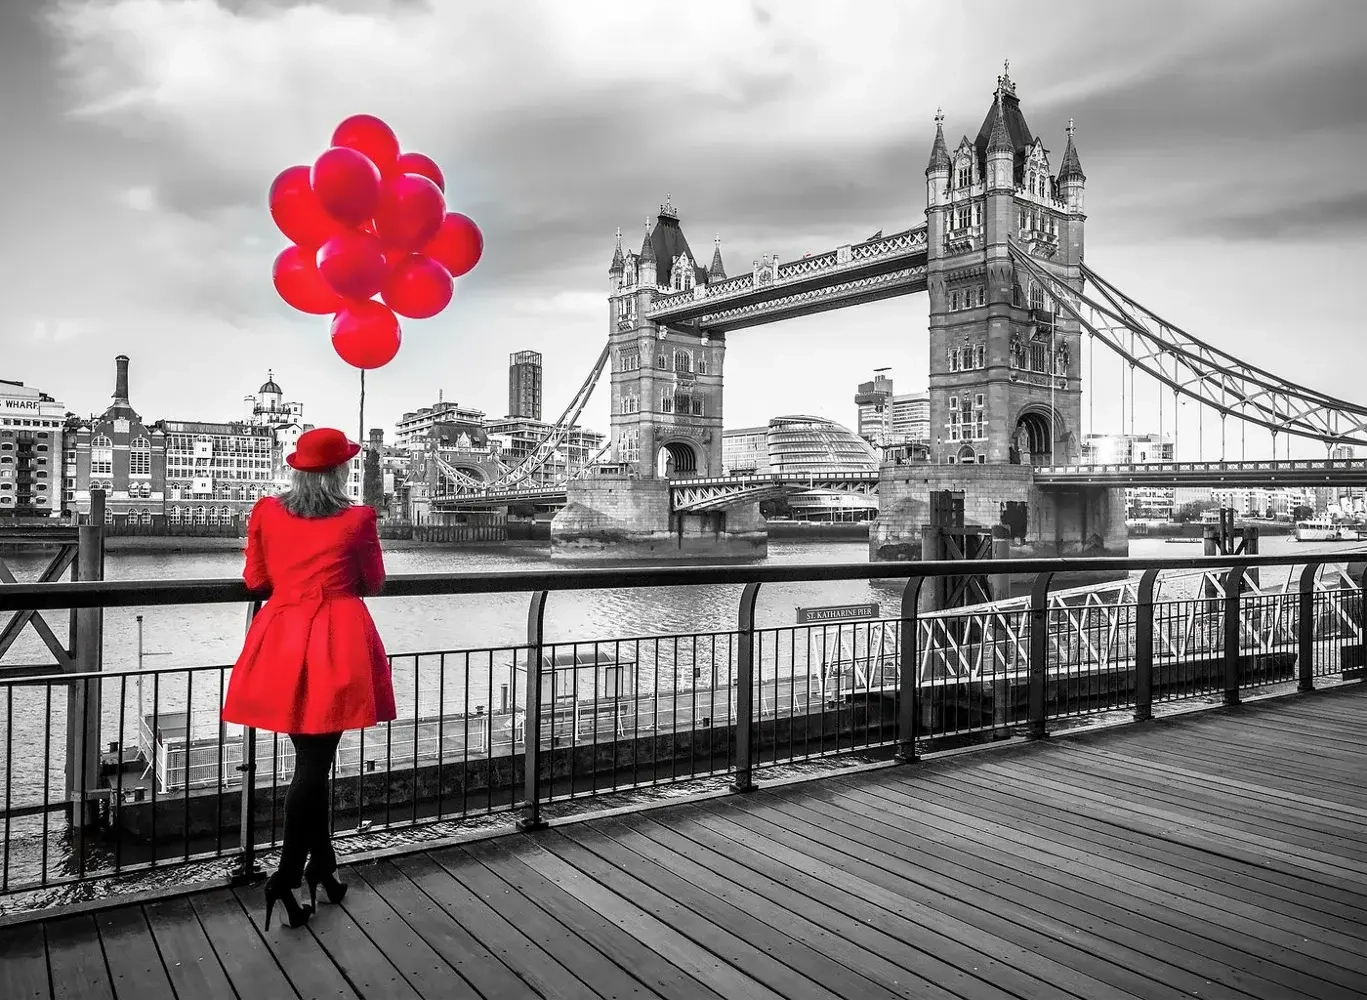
312, 664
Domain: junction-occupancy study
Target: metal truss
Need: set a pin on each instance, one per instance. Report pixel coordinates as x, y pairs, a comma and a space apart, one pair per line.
1092, 629
1294, 472
697, 496
710, 305
1193, 368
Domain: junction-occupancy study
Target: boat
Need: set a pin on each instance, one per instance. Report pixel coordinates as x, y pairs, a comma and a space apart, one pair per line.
1319, 529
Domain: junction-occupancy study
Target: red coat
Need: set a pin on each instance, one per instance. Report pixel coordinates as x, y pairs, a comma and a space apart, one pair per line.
312, 662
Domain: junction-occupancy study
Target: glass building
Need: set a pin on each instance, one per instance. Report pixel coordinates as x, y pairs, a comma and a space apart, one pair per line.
804, 444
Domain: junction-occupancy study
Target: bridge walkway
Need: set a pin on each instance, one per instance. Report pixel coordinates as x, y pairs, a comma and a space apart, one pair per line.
1220, 854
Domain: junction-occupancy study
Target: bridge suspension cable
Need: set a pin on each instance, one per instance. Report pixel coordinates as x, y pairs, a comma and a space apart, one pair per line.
548, 445
1190, 367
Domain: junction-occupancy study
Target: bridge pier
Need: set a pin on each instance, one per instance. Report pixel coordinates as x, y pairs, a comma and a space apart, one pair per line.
618, 517
1041, 522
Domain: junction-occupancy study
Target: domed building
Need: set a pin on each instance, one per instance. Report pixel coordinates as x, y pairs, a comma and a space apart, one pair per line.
801, 444
812, 445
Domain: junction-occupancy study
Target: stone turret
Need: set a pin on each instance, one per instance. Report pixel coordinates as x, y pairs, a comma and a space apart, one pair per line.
1001, 151
716, 272
937, 170
1071, 179
645, 263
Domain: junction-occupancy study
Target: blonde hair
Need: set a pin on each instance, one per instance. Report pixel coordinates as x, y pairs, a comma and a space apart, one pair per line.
317, 494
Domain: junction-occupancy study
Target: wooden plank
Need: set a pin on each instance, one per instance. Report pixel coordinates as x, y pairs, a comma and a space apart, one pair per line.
303, 960
504, 939
822, 956
23, 963
968, 937
682, 952
135, 967
717, 939
1064, 903
664, 978
601, 975
249, 965
344, 933
1329, 956
186, 951
1047, 821
76, 959
458, 948
885, 934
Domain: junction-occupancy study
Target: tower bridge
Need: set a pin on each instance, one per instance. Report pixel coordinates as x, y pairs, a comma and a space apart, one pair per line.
1000, 258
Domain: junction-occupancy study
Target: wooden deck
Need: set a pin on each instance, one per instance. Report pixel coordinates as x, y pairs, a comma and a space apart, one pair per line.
1219, 855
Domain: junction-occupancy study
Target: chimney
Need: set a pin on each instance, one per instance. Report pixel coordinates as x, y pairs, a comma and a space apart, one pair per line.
121, 378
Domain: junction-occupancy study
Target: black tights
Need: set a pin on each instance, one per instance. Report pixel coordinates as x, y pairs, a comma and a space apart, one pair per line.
307, 833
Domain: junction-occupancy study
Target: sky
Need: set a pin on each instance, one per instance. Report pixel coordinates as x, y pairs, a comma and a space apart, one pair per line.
1223, 143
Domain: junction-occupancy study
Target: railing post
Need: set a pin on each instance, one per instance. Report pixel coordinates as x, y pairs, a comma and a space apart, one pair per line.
83, 697
1039, 656
1233, 579
745, 688
531, 727
909, 678
1305, 627
247, 870
1143, 647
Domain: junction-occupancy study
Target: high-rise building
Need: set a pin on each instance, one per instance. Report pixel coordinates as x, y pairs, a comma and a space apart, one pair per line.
911, 418
119, 455
524, 385
31, 426
874, 400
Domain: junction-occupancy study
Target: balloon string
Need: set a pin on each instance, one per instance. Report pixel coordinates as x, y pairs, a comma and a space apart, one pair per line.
360, 435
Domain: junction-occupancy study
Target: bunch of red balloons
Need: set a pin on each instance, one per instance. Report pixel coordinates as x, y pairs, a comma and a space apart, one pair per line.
368, 220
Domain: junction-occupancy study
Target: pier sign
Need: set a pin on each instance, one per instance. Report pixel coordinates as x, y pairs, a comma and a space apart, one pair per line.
837, 613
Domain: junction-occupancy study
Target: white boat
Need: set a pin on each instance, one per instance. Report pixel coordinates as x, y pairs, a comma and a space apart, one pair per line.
1320, 529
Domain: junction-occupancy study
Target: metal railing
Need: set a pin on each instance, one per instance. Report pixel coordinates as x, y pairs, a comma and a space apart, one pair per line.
173, 785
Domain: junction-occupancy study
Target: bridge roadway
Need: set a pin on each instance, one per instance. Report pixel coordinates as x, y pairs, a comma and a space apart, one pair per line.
1220, 854
717, 493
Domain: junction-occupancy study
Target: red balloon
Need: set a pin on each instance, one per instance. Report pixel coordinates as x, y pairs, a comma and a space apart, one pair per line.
352, 264
458, 244
369, 135
297, 211
365, 334
297, 280
418, 287
347, 185
417, 163
410, 213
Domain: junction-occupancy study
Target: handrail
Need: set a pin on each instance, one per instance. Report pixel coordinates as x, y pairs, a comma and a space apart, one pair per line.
149, 593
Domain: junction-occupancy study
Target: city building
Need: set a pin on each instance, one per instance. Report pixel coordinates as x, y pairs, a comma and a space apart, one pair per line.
267, 408
524, 385
412, 431
32, 425
119, 455
745, 451
874, 400
513, 440
911, 419
1141, 502
215, 472
889, 421
1126, 449
807, 445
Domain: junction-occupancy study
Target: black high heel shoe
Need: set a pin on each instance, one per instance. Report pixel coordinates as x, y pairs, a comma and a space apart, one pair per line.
297, 915
336, 891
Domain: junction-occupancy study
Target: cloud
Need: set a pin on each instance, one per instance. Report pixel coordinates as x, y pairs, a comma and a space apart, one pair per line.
787, 127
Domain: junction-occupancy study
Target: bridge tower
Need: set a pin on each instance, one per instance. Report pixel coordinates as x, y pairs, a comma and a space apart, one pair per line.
1005, 385
1005, 381
666, 419
666, 382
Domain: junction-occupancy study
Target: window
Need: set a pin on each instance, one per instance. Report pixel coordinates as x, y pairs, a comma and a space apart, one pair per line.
683, 362
140, 457
954, 360
666, 404
702, 364
980, 357
963, 177
697, 408
662, 363
982, 296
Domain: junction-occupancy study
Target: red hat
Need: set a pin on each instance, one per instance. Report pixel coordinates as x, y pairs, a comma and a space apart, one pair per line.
322, 449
